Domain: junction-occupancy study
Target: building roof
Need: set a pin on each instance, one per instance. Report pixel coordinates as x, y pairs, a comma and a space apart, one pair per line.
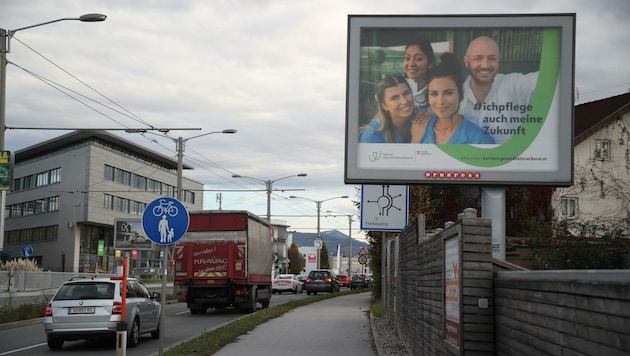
76, 137
592, 117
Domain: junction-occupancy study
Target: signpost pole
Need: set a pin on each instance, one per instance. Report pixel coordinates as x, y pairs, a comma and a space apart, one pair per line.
165, 220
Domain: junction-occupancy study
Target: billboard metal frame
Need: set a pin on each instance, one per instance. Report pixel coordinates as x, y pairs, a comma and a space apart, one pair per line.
539, 153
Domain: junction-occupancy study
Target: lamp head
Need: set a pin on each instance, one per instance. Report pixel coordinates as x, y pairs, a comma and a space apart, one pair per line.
92, 17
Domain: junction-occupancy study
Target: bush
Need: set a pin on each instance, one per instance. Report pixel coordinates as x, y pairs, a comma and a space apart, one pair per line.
20, 264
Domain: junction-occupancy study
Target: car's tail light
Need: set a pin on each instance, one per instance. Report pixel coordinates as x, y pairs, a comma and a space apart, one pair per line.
309, 279
117, 307
328, 280
48, 311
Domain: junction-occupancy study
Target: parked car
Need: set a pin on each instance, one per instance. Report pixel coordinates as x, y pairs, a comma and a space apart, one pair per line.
302, 278
343, 279
321, 280
91, 308
287, 283
359, 281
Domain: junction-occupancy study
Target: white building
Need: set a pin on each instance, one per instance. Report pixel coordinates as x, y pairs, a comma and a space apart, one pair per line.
66, 193
601, 189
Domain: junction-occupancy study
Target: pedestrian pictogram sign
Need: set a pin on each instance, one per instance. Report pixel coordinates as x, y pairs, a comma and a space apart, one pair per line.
165, 220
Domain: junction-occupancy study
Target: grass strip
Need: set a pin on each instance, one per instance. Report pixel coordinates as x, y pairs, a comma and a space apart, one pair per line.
212, 341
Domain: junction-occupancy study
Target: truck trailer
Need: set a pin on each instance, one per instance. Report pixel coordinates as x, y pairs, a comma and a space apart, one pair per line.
224, 260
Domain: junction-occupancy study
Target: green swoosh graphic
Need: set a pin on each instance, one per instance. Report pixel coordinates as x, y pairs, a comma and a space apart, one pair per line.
541, 102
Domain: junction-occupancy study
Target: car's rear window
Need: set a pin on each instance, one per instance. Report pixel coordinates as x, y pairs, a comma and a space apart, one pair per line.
72, 291
319, 274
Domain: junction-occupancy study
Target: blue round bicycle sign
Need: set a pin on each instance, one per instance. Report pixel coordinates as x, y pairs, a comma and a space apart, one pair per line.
165, 220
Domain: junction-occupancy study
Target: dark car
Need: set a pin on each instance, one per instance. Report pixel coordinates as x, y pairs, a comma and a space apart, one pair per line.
359, 281
343, 279
321, 280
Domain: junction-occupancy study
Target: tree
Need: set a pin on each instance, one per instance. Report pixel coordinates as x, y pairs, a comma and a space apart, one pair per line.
323, 256
296, 260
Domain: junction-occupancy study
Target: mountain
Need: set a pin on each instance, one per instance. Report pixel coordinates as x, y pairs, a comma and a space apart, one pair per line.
331, 238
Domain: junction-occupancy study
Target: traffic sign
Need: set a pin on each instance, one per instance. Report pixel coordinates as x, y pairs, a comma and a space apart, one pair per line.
318, 243
27, 251
363, 259
165, 220
362, 252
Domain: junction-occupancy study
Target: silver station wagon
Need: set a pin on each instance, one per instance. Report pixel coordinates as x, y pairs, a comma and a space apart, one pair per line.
91, 308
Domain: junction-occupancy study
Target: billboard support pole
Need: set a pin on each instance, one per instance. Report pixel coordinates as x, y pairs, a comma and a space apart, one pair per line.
493, 207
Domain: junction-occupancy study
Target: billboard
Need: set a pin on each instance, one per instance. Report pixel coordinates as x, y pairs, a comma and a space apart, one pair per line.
489, 101
129, 235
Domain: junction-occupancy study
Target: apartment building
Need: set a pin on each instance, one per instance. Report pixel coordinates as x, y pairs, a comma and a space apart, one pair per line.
67, 192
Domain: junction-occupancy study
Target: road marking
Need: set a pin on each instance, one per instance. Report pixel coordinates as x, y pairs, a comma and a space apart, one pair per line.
22, 349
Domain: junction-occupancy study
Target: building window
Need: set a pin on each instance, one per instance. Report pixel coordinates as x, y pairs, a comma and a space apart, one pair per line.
108, 201
140, 182
122, 204
55, 175
109, 173
569, 207
602, 150
42, 179
137, 208
123, 177
37, 180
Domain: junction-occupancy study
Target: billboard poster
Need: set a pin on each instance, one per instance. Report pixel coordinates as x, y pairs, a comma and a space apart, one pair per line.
452, 291
129, 235
460, 99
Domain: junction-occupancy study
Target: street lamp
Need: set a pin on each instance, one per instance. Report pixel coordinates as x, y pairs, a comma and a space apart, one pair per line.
269, 188
349, 238
5, 47
318, 203
181, 145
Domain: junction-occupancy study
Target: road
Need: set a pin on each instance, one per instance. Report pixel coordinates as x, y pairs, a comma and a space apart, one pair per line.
180, 326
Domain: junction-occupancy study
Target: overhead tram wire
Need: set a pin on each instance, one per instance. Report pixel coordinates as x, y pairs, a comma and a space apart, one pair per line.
124, 112
130, 114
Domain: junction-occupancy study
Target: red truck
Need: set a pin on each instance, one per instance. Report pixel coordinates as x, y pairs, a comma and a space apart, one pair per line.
224, 260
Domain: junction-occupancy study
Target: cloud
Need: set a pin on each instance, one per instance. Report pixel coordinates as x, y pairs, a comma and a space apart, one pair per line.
274, 70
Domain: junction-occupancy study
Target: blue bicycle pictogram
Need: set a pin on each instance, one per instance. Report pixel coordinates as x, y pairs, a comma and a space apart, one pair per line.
165, 207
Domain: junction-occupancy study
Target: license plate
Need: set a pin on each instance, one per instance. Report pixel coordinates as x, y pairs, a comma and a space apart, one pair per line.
81, 310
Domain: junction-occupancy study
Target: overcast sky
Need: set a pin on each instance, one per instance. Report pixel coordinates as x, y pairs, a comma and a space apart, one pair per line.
274, 70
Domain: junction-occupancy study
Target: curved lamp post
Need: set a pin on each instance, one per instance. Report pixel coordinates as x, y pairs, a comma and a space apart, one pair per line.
181, 145
319, 209
5, 47
269, 188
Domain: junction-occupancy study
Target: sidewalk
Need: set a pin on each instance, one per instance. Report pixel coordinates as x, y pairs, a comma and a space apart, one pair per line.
335, 326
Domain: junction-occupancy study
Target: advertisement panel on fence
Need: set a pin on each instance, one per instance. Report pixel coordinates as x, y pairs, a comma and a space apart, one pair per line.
461, 99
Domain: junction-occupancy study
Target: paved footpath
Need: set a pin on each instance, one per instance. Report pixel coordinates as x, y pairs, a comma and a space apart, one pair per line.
335, 326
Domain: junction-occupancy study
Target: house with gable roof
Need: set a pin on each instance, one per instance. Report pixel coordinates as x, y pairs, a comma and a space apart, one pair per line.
601, 190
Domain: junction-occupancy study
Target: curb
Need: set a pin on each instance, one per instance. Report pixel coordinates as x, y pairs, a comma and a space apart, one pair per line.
17, 324
376, 337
